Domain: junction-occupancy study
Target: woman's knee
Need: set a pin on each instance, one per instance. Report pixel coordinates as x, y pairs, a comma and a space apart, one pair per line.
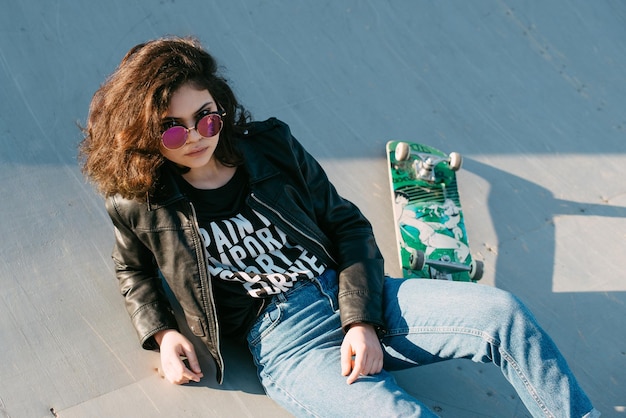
507, 307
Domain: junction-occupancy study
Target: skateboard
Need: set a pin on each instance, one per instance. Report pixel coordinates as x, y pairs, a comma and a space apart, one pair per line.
430, 228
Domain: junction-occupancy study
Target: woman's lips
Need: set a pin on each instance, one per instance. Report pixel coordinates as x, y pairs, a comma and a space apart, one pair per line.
196, 151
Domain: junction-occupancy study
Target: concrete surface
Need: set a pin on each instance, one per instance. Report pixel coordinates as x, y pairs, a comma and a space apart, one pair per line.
532, 93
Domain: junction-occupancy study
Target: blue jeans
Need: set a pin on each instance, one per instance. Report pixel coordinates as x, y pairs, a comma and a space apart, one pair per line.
295, 344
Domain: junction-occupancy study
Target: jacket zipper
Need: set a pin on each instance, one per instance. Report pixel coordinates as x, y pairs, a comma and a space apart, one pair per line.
294, 227
203, 264
221, 364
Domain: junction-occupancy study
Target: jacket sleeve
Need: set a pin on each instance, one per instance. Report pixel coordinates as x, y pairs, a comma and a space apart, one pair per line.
139, 280
360, 263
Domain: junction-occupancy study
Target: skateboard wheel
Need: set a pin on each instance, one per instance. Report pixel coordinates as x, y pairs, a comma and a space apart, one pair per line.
476, 270
456, 160
416, 260
403, 151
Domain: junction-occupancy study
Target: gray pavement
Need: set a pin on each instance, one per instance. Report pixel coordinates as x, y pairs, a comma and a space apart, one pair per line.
531, 93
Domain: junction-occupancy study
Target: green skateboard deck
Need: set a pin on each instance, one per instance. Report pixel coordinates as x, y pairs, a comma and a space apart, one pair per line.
430, 229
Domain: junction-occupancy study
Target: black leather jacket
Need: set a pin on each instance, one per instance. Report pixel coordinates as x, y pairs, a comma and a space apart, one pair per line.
289, 188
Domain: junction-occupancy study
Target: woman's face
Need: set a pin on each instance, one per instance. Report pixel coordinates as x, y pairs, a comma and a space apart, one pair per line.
187, 106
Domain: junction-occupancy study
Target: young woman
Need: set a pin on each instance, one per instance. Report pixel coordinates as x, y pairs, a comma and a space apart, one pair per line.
255, 242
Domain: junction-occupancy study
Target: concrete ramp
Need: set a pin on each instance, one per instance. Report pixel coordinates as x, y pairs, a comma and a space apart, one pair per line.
531, 93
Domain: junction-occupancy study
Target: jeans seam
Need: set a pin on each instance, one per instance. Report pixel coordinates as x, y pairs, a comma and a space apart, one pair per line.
440, 330
529, 387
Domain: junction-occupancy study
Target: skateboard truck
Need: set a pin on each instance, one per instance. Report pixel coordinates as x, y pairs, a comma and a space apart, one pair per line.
425, 163
443, 268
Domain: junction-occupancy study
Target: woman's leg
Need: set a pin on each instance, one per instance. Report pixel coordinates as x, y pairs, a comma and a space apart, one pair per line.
296, 347
432, 320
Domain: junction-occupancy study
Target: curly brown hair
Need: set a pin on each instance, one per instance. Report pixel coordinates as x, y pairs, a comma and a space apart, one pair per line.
120, 150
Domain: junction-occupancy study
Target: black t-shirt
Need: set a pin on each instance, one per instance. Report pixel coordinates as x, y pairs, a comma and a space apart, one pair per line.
249, 258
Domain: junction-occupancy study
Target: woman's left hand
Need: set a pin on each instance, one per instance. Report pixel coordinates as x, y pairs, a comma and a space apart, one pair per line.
361, 352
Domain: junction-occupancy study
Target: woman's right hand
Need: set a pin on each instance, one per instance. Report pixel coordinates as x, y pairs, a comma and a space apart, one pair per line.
174, 346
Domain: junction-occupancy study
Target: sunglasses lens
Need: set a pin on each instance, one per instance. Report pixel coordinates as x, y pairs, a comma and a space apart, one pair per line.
210, 125
174, 138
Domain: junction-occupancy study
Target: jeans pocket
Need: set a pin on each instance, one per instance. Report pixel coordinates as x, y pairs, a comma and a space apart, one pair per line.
265, 324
